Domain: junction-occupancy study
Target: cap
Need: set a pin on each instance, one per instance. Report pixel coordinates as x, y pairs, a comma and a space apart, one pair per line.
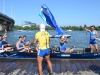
42, 27
63, 36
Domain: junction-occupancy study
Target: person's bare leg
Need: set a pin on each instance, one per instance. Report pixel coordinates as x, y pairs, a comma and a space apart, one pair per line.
68, 50
40, 59
8, 49
91, 50
96, 47
49, 62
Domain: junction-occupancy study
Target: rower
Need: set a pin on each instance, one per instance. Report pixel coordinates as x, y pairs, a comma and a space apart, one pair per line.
7, 46
26, 43
1, 46
93, 36
20, 45
24, 40
63, 45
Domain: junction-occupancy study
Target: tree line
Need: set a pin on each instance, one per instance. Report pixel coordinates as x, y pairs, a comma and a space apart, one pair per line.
36, 27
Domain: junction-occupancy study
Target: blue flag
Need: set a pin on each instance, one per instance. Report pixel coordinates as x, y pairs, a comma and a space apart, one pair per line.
47, 16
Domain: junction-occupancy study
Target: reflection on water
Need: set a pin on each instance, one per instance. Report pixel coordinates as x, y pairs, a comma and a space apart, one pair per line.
78, 38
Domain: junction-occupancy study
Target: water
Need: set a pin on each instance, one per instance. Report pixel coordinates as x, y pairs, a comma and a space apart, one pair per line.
78, 38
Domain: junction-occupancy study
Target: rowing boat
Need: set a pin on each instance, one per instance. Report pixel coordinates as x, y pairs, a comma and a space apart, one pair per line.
78, 53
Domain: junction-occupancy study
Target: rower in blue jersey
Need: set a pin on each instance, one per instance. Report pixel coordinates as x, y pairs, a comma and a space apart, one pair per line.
93, 36
24, 40
63, 45
1, 46
7, 46
20, 45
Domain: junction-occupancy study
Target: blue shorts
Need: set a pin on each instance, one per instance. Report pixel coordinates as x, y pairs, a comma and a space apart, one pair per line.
93, 42
43, 53
63, 47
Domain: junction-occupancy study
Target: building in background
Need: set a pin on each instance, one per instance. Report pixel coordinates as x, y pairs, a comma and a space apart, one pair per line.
27, 23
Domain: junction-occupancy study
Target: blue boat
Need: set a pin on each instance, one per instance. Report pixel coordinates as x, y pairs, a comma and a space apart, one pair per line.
78, 53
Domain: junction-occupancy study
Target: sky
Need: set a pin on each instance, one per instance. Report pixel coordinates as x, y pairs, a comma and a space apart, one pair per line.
66, 12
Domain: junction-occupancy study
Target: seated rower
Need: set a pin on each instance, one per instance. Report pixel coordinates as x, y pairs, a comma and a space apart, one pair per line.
7, 46
1, 46
20, 45
24, 41
63, 44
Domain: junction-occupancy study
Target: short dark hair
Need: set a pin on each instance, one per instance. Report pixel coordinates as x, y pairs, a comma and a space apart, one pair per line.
93, 26
20, 37
24, 36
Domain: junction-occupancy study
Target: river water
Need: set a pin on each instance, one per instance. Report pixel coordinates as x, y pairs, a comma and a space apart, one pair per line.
79, 39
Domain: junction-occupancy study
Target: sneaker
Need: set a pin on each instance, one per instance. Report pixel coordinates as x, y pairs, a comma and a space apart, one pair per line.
72, 47
50, 73
12, 49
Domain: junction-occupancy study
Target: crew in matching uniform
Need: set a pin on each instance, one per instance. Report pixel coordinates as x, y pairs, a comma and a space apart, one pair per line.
20, 45
63, 42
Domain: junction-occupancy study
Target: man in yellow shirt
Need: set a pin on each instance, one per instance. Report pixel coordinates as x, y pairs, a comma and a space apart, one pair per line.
43, 38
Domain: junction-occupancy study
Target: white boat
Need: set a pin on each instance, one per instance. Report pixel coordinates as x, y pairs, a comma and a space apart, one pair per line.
21, 30
69, 30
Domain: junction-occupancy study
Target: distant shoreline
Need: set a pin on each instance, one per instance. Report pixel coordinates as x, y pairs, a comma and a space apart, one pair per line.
36, 27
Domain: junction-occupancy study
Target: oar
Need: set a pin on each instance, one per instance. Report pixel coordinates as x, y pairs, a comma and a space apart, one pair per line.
97, 38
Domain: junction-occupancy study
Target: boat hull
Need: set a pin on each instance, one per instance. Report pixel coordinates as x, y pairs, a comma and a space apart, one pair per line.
78, 53
24, 55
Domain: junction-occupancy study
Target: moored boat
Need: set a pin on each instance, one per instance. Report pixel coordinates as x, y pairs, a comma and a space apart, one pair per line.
78, 53
69, 30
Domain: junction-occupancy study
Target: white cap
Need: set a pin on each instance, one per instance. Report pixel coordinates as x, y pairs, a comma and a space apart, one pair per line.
42, 27
63, 36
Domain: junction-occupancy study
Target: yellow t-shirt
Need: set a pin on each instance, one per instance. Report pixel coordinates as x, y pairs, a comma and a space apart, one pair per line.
43, 39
